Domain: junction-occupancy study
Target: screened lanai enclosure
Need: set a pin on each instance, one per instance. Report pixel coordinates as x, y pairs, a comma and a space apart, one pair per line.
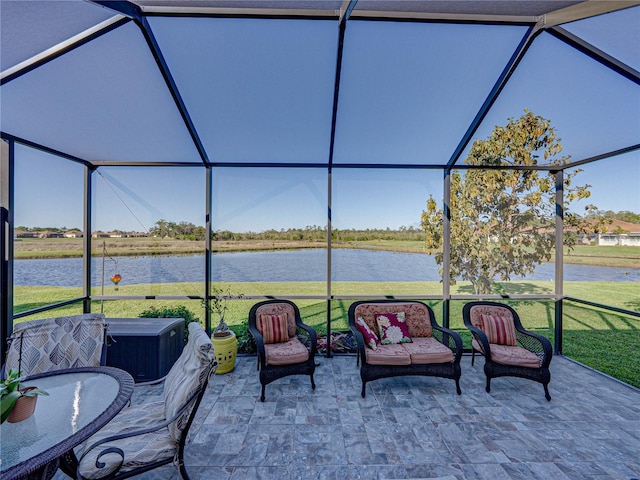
292, 139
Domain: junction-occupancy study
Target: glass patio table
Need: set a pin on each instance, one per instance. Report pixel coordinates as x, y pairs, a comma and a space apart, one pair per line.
80, 402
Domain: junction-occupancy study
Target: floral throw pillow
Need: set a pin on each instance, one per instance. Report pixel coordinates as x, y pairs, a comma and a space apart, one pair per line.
393, 328
499, 330
371, 340
274, 328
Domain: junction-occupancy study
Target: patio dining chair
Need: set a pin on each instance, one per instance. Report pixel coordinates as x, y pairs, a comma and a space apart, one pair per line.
51, 344
508, 348
274, 325
148, 435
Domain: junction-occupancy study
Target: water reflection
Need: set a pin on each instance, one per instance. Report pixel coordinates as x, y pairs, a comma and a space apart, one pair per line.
289, 265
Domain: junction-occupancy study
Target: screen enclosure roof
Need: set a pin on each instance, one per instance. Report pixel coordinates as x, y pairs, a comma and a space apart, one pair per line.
405, 83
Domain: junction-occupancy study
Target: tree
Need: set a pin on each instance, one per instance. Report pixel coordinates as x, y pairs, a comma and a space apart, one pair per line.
502, 220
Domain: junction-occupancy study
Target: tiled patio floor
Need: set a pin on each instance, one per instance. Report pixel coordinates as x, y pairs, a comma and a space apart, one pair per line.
414, 427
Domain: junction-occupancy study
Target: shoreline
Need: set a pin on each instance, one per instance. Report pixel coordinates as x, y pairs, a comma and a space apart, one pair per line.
619, 257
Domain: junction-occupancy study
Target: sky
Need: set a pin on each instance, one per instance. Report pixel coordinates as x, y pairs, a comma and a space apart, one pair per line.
261, 91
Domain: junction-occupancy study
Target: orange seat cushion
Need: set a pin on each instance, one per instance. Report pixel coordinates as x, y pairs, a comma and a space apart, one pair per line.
428, 350
286, 353
508, 355
393, 354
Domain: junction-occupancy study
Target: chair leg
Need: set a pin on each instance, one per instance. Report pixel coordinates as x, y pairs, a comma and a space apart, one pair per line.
458, 391
488, 387
364, 391
69, 464
473, 356
262, 394
546, 392
183, 470
313, 384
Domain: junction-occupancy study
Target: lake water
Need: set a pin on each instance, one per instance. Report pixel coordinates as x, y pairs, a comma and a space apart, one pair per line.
285, 265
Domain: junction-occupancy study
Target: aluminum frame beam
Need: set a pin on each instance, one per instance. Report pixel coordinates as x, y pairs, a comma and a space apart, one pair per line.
61, 48
6, 243
580, 11
595, 53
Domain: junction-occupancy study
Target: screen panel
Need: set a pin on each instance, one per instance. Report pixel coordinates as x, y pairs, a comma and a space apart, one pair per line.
48, 232
592, 109
269, 230
103, 101
257, 90
604, 266
148, 228
409, 90
378, 245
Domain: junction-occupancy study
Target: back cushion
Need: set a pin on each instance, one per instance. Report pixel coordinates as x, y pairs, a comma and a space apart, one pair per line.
496, 322
57, 343
187, 376
273, 328
371, 339
416, 315
392, 328
278, 309
500, 330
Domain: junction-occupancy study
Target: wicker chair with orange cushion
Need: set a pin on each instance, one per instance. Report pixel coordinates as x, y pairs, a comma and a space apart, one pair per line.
509, 350
274, 325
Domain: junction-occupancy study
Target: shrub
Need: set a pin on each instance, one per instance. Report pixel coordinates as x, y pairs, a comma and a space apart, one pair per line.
178, 311
246, 343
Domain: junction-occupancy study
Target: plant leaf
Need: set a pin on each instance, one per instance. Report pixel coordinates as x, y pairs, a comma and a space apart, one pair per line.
7, 403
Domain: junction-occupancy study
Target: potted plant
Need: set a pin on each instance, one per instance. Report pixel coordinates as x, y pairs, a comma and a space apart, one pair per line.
224, 340
218, 304
17, 403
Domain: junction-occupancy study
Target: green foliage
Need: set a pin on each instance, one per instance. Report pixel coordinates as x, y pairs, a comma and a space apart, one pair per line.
182, 230
10, 393
502, 220
246, 343
176, 311
624, 215
218, 303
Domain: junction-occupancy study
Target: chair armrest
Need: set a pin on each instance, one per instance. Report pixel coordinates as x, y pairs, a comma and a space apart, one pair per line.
134, 433
535, 343
359, 342
313, 336
259, 339
482, 339
449, 338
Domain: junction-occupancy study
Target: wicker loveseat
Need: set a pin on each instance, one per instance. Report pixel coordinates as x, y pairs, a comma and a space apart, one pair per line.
427, 350
509, 349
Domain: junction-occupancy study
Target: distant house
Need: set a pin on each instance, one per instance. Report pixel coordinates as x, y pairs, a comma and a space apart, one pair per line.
73, 234
24, 234
99, 234
50, 234
618, 233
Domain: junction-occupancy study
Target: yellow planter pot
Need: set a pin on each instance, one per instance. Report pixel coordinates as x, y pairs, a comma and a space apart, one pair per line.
225, 350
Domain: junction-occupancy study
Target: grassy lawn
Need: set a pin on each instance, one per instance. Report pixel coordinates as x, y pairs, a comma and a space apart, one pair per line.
613, 256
